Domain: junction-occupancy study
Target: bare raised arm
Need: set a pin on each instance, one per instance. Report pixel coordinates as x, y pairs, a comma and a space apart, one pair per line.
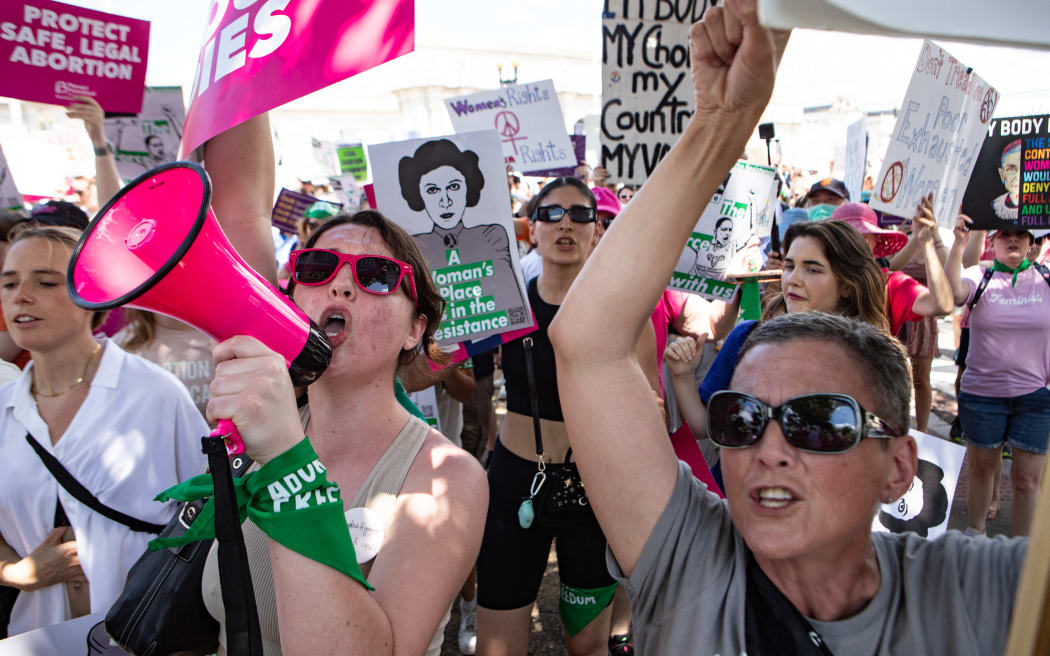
953, 268
615, 429
240, 162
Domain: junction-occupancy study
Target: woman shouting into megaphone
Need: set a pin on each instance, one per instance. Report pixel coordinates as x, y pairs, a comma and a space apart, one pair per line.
415, 504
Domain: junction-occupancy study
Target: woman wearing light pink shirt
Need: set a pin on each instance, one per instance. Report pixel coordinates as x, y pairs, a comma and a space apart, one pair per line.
1004, 396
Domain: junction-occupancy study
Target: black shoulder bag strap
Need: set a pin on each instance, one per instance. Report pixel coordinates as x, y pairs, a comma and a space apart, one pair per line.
533, 398
772, 624
81, 493
984, 285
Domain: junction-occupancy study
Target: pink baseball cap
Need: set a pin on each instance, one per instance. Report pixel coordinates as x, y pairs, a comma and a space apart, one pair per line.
863, 218
607, 200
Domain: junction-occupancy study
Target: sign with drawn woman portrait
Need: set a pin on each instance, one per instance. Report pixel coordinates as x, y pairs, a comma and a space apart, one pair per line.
450, 193
725, 238
150, 138
926, 507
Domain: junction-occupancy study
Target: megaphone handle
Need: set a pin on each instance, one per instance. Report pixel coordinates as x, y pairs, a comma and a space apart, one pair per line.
227, 430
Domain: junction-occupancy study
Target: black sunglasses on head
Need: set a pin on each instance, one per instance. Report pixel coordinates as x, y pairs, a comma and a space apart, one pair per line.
577, 214
818, 423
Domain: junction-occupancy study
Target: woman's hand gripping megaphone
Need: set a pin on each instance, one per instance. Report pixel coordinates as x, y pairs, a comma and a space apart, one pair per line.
253, 400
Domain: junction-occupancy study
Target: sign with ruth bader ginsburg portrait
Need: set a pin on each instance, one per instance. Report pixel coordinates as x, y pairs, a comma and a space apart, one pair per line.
450, 193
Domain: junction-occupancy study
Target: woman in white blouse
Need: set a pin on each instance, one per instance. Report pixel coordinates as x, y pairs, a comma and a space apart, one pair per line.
123, 427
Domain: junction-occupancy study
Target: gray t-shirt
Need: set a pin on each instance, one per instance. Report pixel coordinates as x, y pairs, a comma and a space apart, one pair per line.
953, 595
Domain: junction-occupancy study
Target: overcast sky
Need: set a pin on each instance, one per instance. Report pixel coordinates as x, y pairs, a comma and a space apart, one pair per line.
818, 66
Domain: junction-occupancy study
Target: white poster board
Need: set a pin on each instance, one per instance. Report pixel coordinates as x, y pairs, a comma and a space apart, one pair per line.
647, 88
926, 507
1013, 23
426, 401
325, 156
9, 196
856, 161
152, 137
725, 238
527, 118
934, 144
450, 193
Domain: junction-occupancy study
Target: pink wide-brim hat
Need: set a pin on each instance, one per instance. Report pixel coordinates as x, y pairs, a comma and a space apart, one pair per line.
863, 218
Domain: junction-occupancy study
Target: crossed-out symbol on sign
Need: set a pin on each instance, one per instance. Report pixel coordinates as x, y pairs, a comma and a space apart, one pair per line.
891, 184
991, 97
508, 126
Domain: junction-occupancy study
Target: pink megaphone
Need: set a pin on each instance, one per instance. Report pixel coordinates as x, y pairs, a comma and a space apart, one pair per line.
157, 246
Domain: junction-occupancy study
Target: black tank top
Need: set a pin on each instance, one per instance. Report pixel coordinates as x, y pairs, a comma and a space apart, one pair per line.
542, 362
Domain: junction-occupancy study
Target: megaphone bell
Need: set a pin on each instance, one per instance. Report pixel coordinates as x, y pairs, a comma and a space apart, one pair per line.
157, 246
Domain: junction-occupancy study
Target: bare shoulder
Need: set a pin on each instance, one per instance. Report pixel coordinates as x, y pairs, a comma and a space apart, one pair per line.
448, 475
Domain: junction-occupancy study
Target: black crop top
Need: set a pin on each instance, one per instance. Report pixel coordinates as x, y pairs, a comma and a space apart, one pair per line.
542, 362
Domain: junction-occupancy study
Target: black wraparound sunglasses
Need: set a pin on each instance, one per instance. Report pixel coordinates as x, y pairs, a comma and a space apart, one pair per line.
818, 423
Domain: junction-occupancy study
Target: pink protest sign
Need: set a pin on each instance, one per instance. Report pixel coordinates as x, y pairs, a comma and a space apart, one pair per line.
258, 55
51, 51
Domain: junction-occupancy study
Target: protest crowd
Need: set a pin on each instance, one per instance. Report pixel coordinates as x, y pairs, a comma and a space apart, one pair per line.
722, 426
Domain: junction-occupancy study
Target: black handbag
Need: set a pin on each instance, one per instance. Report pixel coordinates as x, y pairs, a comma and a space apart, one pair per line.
160, 610
561, 500
564, 502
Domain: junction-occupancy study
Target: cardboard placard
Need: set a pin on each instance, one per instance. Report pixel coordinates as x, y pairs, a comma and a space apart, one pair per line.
151, 138
9, 196
579, 146
347, 191
647, 89
916, 19
527, 118
856, 160
1002, 178
450, 193
289, 210
259, 55
926, 507
934, 144
352, 160
51, 51
725, 238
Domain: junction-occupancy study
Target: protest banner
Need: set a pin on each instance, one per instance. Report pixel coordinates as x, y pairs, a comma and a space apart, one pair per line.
996, 26
259, 55
528, 119
856, 160
926, 507
1010, 169
450, 193
426, 401
647, 89
290, 209
9, 196
51, 51
150, 138
579, 146
934, 144
725, 237
325, 156
352, 160
347, 191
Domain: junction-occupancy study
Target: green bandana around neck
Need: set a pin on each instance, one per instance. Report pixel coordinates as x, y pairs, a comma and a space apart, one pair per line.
999, 266
290, 499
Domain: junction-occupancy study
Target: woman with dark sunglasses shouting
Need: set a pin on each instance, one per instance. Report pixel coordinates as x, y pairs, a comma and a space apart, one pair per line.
413, 501
787, 564
532, 445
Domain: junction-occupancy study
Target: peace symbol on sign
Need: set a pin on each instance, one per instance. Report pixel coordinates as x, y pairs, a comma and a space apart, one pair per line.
891, 184
507, 124
991, 97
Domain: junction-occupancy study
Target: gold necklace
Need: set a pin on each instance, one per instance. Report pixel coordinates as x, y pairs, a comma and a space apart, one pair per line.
79, 380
